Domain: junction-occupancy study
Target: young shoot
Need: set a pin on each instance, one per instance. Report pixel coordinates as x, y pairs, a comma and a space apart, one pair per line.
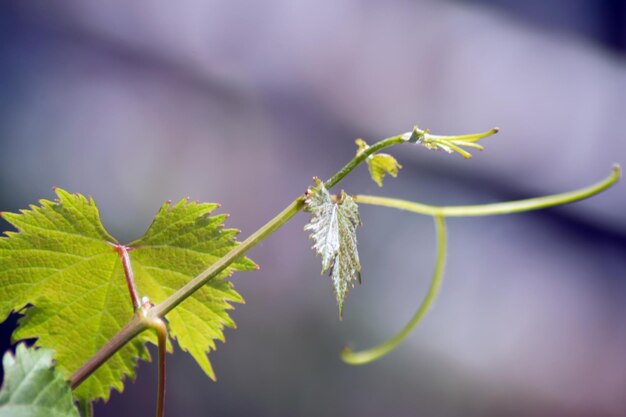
75, 282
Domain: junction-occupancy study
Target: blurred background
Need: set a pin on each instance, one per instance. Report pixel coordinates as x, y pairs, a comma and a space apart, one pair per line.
138, 102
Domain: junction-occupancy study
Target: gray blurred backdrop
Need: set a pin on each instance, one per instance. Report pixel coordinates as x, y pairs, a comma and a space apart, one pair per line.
242, 103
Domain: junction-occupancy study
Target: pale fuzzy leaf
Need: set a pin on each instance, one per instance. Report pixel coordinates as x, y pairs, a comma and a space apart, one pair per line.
33, 387
324, 226
333, 230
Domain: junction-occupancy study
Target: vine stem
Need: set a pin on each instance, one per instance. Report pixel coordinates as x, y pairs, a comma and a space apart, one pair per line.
134, 327
143, 317
270, 227
497, 208
372, 354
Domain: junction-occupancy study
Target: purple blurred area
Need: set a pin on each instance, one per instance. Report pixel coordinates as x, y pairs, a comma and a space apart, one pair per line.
138, 102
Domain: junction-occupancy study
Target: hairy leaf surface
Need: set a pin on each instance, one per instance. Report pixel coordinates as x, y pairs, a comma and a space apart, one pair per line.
333, 230
32, 386
62, 261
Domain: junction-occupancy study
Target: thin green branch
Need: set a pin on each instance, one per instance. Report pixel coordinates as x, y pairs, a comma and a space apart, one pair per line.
370, 355
270, 227
134, 327
140, 321
497, 208
161, 309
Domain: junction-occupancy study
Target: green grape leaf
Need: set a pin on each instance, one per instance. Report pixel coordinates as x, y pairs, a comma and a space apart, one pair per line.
64, 264
33, 387
62, 261
379, 164
181, 242
333, 231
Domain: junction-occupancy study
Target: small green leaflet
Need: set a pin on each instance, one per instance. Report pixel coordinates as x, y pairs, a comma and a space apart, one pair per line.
379, 164
32, 386
62, 261
333, 230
